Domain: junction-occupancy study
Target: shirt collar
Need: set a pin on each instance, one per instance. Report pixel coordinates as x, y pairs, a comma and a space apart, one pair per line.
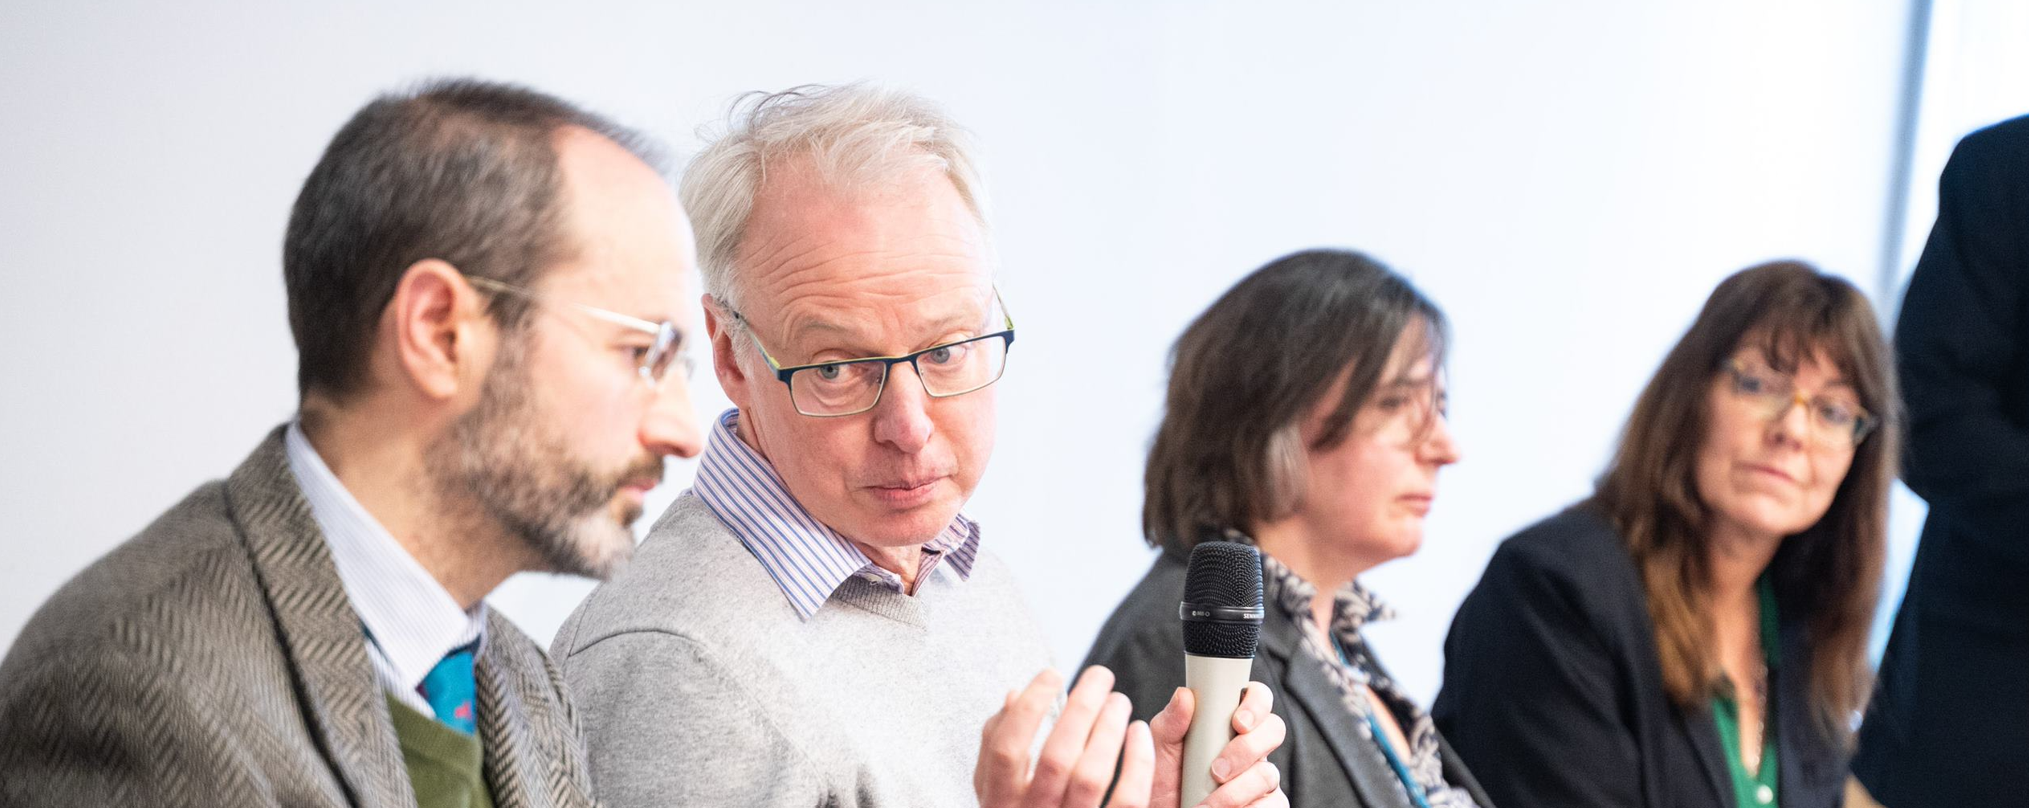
806, 558
411, 618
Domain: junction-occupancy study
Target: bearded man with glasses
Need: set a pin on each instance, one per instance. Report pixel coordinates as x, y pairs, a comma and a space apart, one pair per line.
815, 622
486, 288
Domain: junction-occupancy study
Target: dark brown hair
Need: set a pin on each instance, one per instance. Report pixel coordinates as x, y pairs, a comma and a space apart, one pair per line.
459, 170
1831, 572
1229, 452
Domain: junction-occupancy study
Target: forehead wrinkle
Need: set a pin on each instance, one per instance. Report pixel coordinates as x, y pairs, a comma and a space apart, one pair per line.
789, 274
932, 245
895, 324
890, 310
799, 205
788, 265
874, 269
844, 281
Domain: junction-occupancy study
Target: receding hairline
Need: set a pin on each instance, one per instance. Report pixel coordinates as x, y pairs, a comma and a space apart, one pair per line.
855, 134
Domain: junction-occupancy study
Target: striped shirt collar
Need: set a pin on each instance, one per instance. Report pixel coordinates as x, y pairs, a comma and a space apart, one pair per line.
412, 621
805, 557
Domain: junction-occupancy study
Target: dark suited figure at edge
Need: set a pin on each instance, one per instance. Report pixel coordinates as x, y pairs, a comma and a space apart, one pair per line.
1949, 724
1695, 633
1305, 415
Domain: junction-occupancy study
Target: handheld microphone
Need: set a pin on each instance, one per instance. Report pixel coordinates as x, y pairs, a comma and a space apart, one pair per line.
1222, 615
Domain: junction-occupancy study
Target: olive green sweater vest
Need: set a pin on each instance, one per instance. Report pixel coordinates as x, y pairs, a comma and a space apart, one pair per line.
446, 767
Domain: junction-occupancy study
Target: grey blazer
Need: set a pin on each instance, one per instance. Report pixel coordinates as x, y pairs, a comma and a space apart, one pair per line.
1324, 760
215, 660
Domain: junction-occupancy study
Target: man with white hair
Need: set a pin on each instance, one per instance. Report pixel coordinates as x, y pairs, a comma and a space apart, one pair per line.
814, 622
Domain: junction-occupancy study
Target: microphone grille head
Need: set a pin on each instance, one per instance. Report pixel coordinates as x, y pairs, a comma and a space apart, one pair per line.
1223, 574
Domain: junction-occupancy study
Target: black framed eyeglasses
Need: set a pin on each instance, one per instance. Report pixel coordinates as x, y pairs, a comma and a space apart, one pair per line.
654, 360
854, 386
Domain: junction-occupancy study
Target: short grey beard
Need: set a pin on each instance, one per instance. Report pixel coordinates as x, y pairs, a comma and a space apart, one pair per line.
519, 474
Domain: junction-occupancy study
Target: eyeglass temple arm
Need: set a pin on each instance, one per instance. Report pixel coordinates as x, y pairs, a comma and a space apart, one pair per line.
613, 317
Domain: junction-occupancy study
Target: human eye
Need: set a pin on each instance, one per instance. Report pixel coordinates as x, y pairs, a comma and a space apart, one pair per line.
828, 373
948, 354
1837, 413
634, 353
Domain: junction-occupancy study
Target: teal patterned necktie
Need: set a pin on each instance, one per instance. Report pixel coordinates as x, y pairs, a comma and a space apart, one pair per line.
449, 688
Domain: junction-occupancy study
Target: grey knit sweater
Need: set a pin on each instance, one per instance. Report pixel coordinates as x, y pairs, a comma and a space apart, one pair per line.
698, 684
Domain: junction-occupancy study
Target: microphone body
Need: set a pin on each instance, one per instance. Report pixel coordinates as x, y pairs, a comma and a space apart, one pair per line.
1218, 683
1221, 612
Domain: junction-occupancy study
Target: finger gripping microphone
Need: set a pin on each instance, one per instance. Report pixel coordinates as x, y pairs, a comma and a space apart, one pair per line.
1222, 614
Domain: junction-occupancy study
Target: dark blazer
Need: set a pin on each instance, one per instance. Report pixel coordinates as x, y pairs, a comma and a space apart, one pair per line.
1949, 724
215, 660
1324, 760
1554, 693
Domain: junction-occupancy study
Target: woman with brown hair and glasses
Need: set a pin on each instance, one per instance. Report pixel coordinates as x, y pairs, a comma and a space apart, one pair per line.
1695, 633
1305, 416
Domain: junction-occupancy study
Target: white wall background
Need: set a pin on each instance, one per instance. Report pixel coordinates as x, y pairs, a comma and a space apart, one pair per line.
1976, 73
1568, 180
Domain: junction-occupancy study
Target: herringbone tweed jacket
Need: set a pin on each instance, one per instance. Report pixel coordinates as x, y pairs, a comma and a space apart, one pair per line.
214, 660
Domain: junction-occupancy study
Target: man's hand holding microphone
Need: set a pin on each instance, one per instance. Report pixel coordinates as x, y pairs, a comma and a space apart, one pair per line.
1163, 761
1093, 737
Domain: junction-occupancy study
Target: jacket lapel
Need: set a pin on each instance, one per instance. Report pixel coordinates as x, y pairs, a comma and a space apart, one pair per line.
1305, 683
1711, 753
1458, 775
503, 732
319, 630
1803, 756
1798, 770
533, 750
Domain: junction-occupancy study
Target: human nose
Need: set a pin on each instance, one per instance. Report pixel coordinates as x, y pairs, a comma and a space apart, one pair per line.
670, 425
1792, 421
1440, 447
902, 416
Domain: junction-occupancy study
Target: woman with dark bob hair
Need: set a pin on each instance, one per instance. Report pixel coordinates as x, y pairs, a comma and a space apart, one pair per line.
1695, 633
1305, 416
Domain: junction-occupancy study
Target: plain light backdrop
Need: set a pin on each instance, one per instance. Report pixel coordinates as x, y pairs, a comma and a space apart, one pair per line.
1567, 180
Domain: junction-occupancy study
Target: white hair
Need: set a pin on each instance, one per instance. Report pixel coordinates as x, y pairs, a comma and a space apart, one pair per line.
856, 136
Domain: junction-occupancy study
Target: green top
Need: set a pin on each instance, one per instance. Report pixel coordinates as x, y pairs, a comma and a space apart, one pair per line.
445, 766
1756, 789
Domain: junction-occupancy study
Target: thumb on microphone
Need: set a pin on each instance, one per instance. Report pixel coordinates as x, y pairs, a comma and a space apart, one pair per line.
1242, 768
1168, 728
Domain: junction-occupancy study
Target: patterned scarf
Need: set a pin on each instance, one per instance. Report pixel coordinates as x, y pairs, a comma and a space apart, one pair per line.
1352, 608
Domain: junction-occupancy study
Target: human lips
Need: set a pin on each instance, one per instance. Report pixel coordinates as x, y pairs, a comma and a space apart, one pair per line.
906, 492
1764, 469
636, 491
1418, 502
640, 479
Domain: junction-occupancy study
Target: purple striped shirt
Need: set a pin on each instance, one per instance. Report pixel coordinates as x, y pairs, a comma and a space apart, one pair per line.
805, 557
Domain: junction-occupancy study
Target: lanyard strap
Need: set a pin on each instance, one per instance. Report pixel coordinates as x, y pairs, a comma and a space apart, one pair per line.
1417, 795
1409, 784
